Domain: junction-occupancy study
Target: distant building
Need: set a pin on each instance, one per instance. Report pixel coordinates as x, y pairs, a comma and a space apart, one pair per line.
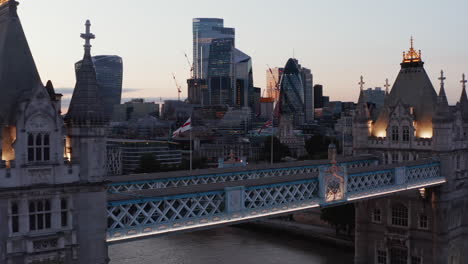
318, 96
244, 79
292, 93
375, 96
177, 111
205, 30
130, 153
325, 100
307, 79
197, 91
109, 75
221, 80
273, 79
222, 119
266, 107
134, 109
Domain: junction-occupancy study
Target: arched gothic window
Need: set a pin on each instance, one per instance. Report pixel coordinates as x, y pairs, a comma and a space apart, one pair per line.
406, 133
38, 147
399, 215
395, 133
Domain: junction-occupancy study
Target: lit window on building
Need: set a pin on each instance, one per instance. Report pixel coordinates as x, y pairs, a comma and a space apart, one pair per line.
381, 256
39, 215
406, 133
399, 215
398, 256
395, 133
423, 221
14, 217
416, 260
377, 215
38, 147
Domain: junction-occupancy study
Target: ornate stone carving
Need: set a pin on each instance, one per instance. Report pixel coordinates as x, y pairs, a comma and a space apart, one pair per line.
38, 123
39, 175
334, 184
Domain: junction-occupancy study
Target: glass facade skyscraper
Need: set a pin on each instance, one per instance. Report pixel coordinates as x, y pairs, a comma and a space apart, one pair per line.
227, 70
220, 71
292, 92
205, 30
109, 75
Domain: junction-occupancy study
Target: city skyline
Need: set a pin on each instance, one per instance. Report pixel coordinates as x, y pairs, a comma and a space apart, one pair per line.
374, 41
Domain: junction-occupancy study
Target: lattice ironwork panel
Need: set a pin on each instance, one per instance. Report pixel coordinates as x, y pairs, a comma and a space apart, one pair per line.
159, 210
423, 172
270, 195
370, 181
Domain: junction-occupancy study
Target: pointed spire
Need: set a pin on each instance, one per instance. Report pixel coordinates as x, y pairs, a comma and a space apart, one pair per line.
88, 36
85, 105
463, 97
442, 86
442, 113
361, 83
18, 73
387, 85
362, 96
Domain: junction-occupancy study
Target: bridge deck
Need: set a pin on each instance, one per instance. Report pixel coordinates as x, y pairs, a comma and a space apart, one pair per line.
139, 213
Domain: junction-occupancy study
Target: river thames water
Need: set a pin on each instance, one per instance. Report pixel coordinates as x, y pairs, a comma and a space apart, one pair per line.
230, 245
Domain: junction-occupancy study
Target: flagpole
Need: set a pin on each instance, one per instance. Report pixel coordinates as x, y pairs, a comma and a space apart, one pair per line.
272, 133
190, 150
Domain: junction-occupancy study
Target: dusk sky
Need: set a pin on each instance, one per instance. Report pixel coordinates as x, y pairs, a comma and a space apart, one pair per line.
337, 40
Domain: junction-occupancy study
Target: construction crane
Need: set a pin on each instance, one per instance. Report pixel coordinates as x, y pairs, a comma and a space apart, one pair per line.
190, 65
179, 88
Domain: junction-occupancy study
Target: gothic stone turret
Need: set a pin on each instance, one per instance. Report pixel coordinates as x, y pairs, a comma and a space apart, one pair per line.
85, 120
48, 212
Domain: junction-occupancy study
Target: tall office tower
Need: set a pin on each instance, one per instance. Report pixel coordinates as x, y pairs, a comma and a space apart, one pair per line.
244, 78
273, 79
307, 79
292, 93
318, 96
220, 72
109, 75
205, 30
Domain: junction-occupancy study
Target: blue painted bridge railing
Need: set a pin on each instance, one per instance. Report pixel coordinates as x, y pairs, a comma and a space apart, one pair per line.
137, 182
157, 212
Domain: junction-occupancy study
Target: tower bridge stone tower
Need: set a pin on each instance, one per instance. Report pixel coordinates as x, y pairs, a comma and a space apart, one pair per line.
48, 190
428, 226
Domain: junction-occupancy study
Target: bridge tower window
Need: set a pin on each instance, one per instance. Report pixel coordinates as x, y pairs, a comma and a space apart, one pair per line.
39, 215
416, 260
381, 256
423, 222
398, 256
38, 147
395, 157
406, 134
14, 217
399, 215
64, 212
395, 133
377, 215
